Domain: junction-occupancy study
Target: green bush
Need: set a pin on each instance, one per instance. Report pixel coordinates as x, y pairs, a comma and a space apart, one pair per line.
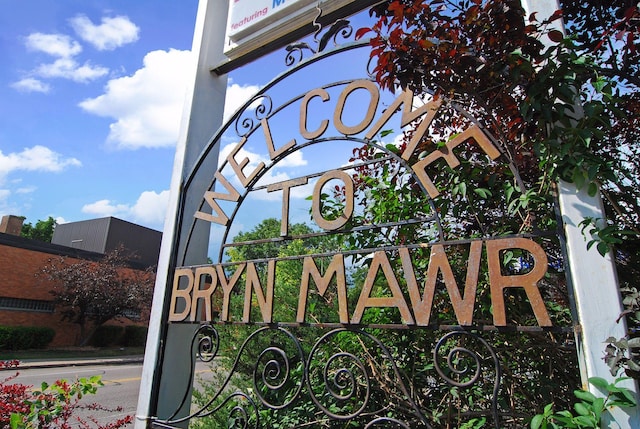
107, 335
25, 337
134, 336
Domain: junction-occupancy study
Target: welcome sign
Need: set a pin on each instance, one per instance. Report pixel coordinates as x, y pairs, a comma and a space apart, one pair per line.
334, 112
403, 295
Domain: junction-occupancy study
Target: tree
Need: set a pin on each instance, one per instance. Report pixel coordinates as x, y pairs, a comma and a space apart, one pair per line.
484, 56
487, 57
42, 231
92, 293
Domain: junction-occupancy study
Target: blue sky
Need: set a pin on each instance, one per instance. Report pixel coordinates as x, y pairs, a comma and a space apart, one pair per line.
91, 94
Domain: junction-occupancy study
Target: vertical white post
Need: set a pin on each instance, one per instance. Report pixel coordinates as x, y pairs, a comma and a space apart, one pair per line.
597, 297
202, 116
594, 278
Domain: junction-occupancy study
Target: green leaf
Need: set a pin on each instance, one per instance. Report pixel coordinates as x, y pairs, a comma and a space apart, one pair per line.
599, 382
484, 193
581, 408
598, 407
385, 133
584, 395
16, 421
585, 421
536, 421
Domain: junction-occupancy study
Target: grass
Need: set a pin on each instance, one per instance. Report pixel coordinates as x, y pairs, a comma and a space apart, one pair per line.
70, 353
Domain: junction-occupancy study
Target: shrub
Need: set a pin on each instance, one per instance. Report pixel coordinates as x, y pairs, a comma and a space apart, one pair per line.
107, 335
134, 336
51, 406
25, 337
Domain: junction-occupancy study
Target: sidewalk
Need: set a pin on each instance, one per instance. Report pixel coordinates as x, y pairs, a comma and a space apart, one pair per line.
56, 363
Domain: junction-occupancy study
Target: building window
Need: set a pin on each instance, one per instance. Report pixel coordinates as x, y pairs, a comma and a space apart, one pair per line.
20, 304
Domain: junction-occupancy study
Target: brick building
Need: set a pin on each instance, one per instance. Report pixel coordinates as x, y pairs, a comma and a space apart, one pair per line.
25, 298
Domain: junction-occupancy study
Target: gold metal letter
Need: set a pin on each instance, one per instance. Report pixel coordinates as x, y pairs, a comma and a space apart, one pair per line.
336, 268
438, 262
227, 287
253, 283
210, 197
239, 167
316, 208
371, 110
446, 152
380, 260
304, 109
528, 281
273, 153
185, 294
286, 186
203, 294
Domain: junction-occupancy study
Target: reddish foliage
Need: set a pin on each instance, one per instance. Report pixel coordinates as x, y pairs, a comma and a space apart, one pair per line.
17, 398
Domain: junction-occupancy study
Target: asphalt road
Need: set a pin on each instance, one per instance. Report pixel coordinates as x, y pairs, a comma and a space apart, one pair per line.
121, 385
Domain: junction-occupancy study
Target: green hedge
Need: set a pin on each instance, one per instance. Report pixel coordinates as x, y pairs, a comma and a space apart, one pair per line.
126, 336
107, 335
25, 337
134, 336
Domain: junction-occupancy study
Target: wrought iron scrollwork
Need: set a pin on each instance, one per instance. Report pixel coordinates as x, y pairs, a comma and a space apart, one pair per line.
208, 342
348, 374
341, 28
463, 364
254, 111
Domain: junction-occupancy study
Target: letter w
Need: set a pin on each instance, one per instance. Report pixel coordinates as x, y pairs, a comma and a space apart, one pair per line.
211, 196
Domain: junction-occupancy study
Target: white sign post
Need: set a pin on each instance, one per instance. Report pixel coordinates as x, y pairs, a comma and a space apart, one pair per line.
165, 371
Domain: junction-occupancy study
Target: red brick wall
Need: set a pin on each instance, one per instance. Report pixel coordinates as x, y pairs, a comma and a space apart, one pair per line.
19, 279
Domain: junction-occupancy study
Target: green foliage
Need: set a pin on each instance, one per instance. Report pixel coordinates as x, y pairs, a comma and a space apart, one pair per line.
604, 237
107, 335
56, 405
25, 337
590, 409
126, 336
562, 111
134, 336
42, 230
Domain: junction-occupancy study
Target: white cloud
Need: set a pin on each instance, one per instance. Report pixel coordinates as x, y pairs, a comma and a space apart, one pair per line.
110, 34
68, 68
30, 84
36, 158
65, 66
237, 95
103, 208
26, 190
57, 45
149, 209
147, 105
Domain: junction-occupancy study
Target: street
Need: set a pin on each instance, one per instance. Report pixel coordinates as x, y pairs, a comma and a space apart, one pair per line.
121, 385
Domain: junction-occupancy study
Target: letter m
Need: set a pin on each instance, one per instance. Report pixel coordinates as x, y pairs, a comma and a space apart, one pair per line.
276, 3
